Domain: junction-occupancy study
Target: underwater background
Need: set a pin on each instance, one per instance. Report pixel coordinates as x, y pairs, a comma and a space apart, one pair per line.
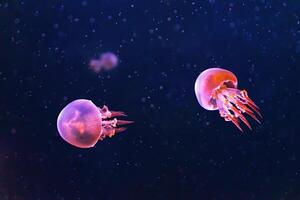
175, 149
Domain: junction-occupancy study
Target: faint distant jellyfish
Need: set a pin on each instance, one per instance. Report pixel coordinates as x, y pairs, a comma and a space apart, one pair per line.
107, 61
82, 124
216, 89
95, 65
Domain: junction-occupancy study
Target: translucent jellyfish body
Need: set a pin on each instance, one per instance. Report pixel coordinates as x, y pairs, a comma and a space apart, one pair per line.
216, 89
106, 61
82, 124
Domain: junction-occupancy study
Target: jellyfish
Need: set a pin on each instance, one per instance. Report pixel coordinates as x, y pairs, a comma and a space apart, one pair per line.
106, 61
95, 65
216, 89
82, 124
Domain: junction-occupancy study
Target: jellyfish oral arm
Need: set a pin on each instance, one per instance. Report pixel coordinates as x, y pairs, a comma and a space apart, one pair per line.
111, 126
233, 103
106, 113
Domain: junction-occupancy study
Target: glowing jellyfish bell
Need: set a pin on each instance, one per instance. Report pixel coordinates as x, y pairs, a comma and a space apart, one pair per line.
82, 124
216, 89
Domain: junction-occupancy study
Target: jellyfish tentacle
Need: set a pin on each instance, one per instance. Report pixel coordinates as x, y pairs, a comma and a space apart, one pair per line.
237, 124
109, 125
121, 129
224, 110
105, 113
230, 103
239, 109
255, 109
124, 122
112, 123
237, 112
117, 114
110, 131
243, 96
233, 103
242, 101
244, 108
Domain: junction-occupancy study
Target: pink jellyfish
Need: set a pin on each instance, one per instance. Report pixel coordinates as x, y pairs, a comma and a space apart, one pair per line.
216, 89
107, 61
82, 124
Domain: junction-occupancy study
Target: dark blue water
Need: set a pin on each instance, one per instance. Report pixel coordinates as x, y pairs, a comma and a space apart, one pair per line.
175, 149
